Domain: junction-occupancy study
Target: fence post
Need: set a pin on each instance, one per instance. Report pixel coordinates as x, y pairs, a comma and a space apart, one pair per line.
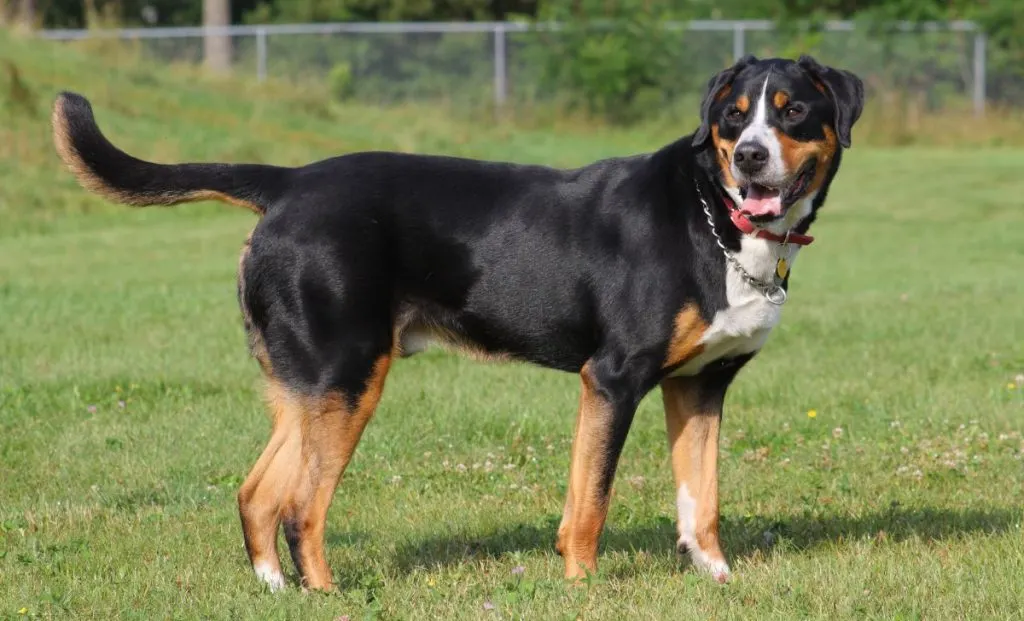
979, 74
261, 54
739, 41
500, 71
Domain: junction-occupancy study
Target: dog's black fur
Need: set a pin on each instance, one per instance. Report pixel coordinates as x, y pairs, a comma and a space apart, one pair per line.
583, 270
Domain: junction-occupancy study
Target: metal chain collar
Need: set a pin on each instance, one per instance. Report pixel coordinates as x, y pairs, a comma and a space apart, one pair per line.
772, 292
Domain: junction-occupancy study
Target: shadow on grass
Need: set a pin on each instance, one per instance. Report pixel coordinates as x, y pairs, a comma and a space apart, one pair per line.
742, 537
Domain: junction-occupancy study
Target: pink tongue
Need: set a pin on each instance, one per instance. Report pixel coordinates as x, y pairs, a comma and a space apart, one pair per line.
762, 202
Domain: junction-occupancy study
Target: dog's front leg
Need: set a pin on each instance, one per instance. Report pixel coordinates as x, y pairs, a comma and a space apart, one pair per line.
693, 413
610, 393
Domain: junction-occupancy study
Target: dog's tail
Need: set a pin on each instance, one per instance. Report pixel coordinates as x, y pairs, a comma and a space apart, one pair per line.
106, 170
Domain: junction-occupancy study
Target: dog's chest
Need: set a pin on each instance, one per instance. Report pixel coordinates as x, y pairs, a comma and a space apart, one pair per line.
743, 326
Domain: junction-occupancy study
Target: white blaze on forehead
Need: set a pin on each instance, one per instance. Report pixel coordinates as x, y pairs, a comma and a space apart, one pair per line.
760, 112
774, 172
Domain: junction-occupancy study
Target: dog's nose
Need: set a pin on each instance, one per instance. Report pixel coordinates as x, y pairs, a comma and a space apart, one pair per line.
750, 157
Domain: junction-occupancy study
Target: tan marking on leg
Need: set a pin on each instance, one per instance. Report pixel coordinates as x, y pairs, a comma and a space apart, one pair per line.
796, 153
562, 540
693, 442
587, 503
331, 429
723, 151
686, 335
262, 493
780, 99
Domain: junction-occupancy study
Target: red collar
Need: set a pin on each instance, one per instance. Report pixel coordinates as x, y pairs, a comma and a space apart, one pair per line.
745, 225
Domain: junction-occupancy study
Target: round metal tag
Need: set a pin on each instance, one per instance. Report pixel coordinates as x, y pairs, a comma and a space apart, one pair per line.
776, 295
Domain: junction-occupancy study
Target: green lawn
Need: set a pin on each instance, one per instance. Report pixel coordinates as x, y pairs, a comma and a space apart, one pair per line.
130, 412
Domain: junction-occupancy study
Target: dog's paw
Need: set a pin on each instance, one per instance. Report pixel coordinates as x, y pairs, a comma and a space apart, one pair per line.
717, 568
272, 577
719, 571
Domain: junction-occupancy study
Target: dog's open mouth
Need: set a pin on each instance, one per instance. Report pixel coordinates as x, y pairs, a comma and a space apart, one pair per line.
762, 202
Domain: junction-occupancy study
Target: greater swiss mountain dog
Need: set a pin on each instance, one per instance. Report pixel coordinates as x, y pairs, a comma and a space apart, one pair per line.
667, 268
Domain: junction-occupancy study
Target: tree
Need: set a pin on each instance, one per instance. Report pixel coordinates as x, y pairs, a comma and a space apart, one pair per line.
27, 12
388, 10
22, 12
217, 46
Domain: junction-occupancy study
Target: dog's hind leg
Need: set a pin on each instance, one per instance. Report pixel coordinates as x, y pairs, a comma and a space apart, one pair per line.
321, 323
262, 494
331, 428
294, 479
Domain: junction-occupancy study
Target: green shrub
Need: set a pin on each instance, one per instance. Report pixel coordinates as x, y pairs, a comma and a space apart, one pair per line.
613, 59
340, 82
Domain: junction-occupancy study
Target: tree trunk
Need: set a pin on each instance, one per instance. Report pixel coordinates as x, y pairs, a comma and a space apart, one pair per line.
217, 47
27, 12
19, 13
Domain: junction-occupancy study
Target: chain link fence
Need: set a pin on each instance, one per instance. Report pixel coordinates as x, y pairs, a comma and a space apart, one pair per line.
940, 65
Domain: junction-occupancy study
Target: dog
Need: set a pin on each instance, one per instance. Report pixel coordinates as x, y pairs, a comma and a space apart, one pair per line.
665, 268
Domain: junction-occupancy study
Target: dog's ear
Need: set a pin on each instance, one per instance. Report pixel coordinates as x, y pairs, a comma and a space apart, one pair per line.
716, 89
844, 89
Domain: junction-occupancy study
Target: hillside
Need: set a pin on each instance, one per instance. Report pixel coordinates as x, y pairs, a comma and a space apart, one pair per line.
168, 113
172, 113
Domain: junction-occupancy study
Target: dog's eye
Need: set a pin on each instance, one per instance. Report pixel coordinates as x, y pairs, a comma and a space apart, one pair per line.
794, 112
734, 114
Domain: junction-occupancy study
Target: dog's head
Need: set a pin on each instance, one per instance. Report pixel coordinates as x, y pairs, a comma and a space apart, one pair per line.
776, 127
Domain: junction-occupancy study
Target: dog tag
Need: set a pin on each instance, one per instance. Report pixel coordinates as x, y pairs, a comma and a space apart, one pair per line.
776, 295
781, 269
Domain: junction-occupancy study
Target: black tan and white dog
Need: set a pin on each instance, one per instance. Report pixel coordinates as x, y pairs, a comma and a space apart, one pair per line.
669, 268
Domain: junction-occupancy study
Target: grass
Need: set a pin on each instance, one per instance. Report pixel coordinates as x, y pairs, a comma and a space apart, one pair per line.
129, 411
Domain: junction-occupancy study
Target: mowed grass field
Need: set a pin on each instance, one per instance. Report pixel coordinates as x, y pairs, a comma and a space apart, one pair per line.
871, 454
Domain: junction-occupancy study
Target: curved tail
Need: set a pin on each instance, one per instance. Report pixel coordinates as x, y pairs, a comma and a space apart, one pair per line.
106, 170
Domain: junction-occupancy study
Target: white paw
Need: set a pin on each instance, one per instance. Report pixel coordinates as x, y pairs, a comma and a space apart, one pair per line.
273, 577
719, 570
716, 567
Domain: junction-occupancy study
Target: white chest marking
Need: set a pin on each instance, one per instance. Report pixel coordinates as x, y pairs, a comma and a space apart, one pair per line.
744, 325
